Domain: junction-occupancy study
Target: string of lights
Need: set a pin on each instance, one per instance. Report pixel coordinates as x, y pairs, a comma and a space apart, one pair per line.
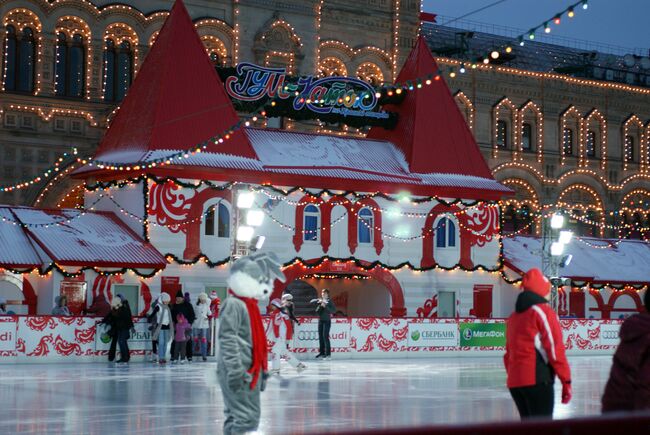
45, 175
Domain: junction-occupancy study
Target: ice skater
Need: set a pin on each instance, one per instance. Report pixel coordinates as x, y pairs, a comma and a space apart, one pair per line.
201, 325
628, 387
324, 308
120, 322
242, 359
182, 333
164, 330
535, 350
282, 319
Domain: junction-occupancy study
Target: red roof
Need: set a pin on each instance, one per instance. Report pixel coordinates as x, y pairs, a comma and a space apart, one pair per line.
431, 130
176, 101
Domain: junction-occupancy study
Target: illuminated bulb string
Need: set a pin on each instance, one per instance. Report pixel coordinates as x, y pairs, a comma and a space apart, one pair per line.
38, 179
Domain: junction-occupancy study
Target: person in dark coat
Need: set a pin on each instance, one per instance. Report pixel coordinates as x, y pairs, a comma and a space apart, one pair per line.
535, 350
100, 306
185, 308
121, 323
324, 308
628, 387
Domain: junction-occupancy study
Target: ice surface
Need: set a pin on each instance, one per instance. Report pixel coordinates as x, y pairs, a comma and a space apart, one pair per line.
329, 395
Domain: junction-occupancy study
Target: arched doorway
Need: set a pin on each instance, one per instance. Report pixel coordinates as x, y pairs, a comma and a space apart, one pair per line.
373, 292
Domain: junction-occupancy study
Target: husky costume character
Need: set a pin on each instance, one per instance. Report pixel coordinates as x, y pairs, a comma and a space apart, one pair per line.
243, 353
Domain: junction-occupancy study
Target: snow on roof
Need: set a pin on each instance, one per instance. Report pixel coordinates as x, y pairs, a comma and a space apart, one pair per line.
594, 260
93, 239
17, 251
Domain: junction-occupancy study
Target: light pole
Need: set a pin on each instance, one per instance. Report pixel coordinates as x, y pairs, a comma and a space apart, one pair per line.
554, 239
244, 212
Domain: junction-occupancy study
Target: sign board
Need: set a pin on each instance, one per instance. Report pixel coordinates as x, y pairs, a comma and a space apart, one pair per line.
482, 334
609, 334
432, 335
306, 335
345, 96
141, 340
8, 335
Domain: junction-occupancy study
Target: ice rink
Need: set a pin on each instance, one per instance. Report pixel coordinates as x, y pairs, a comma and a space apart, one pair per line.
329, 395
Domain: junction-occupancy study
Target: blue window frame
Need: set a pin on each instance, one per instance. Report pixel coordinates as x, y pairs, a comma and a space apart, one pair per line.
312, 218
217, 220
445, 233
366, 225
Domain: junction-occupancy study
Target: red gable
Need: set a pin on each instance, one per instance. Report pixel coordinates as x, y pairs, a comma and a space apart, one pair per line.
176, 101
431, 130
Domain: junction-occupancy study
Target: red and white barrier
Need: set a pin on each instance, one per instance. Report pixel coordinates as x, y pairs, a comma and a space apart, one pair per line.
50, 338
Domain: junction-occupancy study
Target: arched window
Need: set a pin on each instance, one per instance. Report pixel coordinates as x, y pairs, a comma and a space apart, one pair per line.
371, 73
19, 59
590, 143
567, 142
527, 137
445, 233
629, 149
502, 134
216, 60
366, 225
69, 67
118, 70
217, 221
312, 223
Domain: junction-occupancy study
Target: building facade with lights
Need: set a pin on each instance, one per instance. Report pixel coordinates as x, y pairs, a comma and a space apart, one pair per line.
554, 139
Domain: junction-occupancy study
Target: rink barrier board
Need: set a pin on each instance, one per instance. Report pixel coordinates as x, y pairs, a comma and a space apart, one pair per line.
51, 338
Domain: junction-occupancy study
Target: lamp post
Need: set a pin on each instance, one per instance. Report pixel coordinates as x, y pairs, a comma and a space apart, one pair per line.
554, 239
246, 219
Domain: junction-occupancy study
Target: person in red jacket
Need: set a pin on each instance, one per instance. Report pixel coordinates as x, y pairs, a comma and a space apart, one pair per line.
628, 388
535, 350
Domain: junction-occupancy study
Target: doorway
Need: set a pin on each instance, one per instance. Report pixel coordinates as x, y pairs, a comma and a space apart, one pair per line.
446, 304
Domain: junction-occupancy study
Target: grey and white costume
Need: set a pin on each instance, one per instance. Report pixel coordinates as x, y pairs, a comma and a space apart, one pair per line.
250, 277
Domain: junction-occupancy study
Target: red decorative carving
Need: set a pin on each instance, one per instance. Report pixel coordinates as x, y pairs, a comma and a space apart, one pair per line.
169, 204
66, 348
482, 222
385, 344
67, 320
401, 334
369, 346
582, 343
40, 323
20, 345
430, 308
594, 334
41, 348
84, 336
367, 323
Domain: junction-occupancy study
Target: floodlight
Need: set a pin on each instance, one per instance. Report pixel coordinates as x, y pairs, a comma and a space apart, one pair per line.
566, 260
257, 243
245, 234
245, 200
254, 218
565, 237
557, 221
557, 249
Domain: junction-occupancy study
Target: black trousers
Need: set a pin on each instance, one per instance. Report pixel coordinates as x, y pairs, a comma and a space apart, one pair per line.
534, 401
188, 349
121, 337
324, 337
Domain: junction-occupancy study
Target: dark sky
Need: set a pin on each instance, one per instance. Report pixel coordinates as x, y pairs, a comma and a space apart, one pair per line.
622, 23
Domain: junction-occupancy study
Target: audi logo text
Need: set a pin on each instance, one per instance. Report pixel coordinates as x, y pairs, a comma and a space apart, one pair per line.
612, 335
308, 335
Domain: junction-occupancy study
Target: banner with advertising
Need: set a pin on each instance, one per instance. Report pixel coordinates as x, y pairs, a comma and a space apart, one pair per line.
609, 334
7, 335
482, 334
141, 340
306, 334
433, 335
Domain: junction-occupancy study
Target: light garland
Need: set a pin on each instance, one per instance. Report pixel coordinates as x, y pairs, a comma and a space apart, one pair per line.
602, 124
55, 223
39, 178
510, 139
539, 124
48, 116
469, 111
71, 25
632, 122
395, 56
21, 18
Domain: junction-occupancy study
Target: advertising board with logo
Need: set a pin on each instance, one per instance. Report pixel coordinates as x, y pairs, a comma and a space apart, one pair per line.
306, 335
433, 335
8, 335
141, 340
609, 334
482, 334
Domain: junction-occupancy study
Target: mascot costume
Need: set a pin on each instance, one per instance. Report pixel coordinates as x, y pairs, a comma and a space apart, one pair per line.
242, 359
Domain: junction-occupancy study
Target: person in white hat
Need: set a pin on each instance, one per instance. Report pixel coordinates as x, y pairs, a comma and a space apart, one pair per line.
282, 319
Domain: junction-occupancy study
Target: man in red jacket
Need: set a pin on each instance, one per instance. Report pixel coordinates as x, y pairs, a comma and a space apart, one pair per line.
628, 388
535, 350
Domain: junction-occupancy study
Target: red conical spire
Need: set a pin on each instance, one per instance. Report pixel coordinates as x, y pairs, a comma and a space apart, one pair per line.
431, 130
176, 101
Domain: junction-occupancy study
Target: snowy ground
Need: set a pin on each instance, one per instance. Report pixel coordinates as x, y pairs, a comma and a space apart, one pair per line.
329, 395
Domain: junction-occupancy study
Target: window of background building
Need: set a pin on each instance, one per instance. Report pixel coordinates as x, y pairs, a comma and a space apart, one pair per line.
9, 172
118, 70
629, 149
25, 172
591, 143
43, 156
10, 154
69, 66
567, 142
502, 134
26, 155
11, 120
527, 137
19, 59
